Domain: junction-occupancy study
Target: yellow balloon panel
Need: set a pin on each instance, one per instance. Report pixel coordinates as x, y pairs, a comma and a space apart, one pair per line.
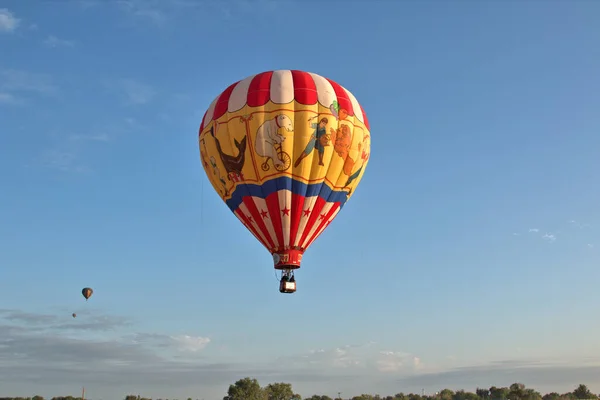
305, 142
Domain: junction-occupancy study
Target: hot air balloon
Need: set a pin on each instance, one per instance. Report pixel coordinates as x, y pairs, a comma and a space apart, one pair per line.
74, 315
87, 292
285, 150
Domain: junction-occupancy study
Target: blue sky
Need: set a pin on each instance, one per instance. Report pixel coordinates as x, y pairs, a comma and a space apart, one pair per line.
470, 248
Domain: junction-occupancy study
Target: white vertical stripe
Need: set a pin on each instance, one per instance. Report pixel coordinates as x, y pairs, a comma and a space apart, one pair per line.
246, 212
325, 93
210, 112
239, 95
355, 106
324, 226
313, 228
285, 201
282, 87
309, 203
261, 205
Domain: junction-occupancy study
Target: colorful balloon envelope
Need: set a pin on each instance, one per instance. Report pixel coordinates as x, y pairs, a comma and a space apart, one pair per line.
285, 150
87, 292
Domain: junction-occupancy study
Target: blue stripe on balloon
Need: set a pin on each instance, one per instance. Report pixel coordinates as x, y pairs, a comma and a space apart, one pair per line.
285, 183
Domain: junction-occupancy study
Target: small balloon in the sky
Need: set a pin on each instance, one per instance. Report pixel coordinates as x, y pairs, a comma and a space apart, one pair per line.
87, 292
74, 315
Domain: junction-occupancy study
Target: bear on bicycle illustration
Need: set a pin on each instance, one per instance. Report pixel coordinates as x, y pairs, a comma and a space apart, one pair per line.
269, 142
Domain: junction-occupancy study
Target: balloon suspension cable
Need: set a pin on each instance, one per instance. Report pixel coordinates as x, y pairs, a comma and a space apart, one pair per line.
201, 199
288, 273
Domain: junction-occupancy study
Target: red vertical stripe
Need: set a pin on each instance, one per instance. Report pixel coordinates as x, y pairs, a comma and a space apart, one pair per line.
295, 216
272, 201
322, 223
305, 89
238, 213
259, 91
365, 118
342, 97
223, 102
202, 124
312, 220
249, 203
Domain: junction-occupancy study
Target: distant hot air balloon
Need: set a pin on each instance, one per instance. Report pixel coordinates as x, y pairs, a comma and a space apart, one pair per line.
74, 315
285, 150
87, 292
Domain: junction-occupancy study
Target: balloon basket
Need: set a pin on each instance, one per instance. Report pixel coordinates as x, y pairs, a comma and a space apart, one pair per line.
287, 284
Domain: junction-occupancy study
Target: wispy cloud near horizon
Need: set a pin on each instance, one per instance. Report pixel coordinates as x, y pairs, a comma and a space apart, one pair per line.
115, 355
547, 376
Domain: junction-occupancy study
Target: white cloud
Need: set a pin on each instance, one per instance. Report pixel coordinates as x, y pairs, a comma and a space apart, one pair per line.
155, 16
390, 361
145, 9
137, 93
361, 359
578, 224
67, 153
8, 98
62, 331
190, 343
180, 343
550, 237
53, 41
8, 22
85, 4
36, 322
338, 357
395, 361
12, 80
63, 159
161, 12
547, 375
101, 137
47, 352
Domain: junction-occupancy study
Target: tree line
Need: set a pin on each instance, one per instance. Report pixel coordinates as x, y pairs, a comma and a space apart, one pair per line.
250, 389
